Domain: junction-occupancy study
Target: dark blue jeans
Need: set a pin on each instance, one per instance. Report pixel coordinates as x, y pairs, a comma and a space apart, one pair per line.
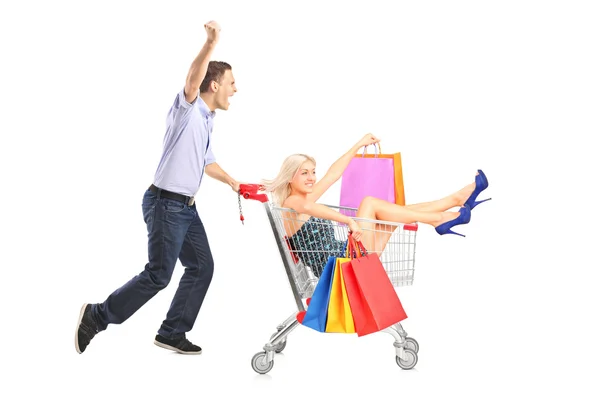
174, 231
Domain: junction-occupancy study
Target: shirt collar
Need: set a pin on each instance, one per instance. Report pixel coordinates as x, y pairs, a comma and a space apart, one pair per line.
204, 108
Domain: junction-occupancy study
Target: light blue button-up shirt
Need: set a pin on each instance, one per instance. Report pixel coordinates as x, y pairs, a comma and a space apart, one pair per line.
186, 146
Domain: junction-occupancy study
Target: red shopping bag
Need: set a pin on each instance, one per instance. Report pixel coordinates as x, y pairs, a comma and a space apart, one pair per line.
372, 297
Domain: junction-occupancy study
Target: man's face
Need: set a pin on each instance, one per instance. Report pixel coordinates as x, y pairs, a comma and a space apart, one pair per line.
225, 90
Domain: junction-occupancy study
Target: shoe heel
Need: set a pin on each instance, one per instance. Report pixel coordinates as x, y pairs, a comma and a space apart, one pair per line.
446, 231
479, 202
463, 218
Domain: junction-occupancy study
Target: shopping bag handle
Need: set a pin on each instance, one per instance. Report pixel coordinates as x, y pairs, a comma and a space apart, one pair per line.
377, 149
354, 247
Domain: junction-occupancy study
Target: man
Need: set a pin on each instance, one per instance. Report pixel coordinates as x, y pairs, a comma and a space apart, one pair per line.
174, 227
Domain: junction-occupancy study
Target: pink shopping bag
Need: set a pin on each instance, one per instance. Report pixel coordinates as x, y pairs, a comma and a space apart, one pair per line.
367, 176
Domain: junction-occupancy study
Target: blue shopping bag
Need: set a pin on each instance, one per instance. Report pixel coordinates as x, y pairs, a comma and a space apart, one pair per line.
316, 312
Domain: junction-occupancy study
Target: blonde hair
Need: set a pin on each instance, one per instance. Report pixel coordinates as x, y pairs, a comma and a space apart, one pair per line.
280, 185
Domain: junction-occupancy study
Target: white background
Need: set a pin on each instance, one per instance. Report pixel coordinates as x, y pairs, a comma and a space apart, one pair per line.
509, 87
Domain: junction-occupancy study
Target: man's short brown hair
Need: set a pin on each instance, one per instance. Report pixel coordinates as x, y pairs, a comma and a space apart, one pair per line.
215, 72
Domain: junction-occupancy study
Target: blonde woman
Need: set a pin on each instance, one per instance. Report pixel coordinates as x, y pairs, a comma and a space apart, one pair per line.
296, 187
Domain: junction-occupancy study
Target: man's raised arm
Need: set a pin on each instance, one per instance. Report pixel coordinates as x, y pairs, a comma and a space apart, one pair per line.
200, 64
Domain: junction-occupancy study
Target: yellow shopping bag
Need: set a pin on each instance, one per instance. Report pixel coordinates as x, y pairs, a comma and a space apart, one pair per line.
339, 315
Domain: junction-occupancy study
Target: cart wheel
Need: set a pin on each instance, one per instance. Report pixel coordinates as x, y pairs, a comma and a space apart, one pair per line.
411, 344
280, 346
410, 362
260, 364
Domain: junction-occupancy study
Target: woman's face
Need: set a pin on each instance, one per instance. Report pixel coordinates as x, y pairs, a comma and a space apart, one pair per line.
304, 179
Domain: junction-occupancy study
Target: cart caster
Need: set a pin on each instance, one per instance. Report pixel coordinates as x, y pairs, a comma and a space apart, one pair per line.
411, 344
260, 364
279, 348
410, 361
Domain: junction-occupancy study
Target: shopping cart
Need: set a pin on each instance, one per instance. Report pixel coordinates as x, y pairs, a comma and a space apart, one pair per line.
303, 268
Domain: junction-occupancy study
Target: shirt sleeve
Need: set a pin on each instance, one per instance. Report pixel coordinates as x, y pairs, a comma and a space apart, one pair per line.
181, 102
210, 157
180, 110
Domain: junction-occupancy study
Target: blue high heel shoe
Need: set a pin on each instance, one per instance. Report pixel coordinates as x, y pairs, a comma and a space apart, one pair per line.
463, 218
481, 183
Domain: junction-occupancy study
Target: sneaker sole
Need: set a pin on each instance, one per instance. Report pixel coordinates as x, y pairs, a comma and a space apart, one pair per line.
166, 346
77, 328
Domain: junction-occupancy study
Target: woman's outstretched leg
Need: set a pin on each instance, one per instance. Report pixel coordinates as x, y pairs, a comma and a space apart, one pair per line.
374, 208
454, 200
376, 235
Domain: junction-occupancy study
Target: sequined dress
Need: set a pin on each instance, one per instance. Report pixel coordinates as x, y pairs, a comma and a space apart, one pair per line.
314, 242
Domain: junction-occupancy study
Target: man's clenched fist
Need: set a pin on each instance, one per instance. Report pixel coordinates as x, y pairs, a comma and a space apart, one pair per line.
212, 31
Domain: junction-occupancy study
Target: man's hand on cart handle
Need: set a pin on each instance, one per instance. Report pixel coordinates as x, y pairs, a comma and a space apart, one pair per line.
355, 230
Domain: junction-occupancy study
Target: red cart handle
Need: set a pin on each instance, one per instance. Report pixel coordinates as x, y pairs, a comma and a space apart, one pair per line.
250, 191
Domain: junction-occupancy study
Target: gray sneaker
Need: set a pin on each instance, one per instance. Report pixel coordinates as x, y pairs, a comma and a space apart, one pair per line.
86, 328
180, 345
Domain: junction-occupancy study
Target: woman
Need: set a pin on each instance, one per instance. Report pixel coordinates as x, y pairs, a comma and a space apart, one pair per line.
296, 187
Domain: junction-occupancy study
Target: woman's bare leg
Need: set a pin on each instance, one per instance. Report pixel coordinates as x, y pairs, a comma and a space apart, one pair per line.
376, 235
375, 239
454, 200
374, 208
